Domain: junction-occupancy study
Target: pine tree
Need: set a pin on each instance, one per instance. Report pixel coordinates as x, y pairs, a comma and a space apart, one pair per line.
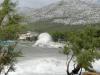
9, 30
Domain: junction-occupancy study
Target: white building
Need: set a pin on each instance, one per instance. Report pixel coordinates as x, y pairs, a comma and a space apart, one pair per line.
28, 36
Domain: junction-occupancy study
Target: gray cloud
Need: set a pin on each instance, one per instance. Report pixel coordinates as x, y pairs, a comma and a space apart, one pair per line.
35, 3
40, 3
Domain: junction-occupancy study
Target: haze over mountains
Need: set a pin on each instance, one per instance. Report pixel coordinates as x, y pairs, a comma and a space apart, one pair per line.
68, 12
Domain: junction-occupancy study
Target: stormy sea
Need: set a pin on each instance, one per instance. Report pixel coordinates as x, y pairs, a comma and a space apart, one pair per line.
43, 57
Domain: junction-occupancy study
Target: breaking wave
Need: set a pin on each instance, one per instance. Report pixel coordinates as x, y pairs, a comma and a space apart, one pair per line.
41, 66
45, 40
46, 66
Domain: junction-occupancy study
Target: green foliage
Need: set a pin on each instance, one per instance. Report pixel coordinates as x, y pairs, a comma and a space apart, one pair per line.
7, 7
84, 45
48, 26
9, 31
57, 36
8, 56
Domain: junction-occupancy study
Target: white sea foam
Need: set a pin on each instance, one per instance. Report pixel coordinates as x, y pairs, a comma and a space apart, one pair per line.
45, 40
96, 65
45, 66
40, 66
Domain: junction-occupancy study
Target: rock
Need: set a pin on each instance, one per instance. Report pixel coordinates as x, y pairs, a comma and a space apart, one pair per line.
91, 73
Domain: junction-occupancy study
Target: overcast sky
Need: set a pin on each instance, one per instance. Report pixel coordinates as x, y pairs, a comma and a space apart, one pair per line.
39, 3
35, 3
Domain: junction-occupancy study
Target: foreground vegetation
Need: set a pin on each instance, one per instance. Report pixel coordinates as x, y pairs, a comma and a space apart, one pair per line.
83, 48
9, 30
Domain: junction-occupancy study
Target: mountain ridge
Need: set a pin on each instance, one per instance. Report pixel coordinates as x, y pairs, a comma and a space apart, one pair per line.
69, 12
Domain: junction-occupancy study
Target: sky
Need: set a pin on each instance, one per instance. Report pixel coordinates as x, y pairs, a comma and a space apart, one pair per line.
35, 3
40, 3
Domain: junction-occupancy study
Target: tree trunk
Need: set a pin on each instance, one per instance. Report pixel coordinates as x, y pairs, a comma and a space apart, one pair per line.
80, 72
76, 70
8, 70
68, 73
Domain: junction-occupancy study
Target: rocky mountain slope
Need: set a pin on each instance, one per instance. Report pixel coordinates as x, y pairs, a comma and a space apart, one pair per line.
69, 12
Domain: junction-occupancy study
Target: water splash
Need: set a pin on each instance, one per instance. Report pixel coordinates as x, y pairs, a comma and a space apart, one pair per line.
45, 66
45, 40
41, 66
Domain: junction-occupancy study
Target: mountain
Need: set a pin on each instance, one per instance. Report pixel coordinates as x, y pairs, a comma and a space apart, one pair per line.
26, 11
69, 12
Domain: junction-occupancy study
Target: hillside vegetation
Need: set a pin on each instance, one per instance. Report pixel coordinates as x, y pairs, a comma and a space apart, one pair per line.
47, 26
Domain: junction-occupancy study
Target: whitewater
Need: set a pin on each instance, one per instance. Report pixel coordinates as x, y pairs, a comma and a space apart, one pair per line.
40, 58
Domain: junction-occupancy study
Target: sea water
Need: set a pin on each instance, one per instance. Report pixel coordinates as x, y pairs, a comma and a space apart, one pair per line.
43, 60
